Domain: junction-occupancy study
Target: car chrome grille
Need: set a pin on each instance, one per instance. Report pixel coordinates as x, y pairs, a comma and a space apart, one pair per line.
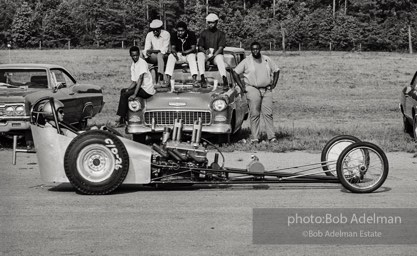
168, 117
2, 111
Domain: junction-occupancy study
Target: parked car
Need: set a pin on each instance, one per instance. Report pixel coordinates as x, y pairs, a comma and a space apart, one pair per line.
408, 107
23, 84
221, 109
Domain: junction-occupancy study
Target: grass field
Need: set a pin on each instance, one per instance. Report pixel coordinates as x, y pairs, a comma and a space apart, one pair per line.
319, 94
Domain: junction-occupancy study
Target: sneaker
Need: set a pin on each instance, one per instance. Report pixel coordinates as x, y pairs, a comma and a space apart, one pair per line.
273, 140
203, 83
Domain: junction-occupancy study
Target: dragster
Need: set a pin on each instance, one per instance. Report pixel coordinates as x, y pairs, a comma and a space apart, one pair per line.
100, 160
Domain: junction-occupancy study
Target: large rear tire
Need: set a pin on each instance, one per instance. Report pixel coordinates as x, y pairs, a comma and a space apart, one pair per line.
96, 162
362, 167
414, 131
332, 150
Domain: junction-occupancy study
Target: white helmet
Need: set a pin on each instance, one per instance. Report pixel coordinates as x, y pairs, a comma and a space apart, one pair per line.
47, 108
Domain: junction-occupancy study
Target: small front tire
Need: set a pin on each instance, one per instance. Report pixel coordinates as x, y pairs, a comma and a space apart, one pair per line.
362, 167
332, 150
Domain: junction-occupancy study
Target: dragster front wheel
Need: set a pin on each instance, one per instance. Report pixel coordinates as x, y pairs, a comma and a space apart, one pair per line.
96, 162
332, 150
362, 167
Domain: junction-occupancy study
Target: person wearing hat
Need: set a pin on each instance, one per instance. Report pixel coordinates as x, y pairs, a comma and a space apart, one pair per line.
211, 43
183, 46
261, 76
157, 46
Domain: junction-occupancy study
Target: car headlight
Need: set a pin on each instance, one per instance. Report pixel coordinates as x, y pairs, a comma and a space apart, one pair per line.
9, 111
219, 104
20, 110
134, 105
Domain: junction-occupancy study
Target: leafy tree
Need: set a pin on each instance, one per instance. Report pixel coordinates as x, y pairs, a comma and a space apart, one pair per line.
21, 29
59, 26
7, 11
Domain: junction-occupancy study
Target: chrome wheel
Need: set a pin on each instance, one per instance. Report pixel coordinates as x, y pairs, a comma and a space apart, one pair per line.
95, 163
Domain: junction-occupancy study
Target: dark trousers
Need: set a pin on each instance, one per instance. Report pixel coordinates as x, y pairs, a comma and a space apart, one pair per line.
124, 99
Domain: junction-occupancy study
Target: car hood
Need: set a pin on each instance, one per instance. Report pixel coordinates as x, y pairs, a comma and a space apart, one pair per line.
8, 95
198, 99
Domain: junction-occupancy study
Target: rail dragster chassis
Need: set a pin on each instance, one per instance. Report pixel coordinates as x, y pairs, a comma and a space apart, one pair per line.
98, 161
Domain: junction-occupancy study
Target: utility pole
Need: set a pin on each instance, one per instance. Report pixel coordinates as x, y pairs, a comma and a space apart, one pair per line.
410, 42
345, 7
206, 7
334, 8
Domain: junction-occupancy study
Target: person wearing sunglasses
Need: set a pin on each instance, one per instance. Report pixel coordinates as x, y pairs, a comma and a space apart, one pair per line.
156, 47
211, 43
49, 116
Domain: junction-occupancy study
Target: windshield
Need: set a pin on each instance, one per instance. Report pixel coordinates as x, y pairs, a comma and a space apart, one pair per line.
32, 78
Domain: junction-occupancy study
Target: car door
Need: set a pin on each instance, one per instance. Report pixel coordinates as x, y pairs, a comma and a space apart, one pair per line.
410, 94
62, 82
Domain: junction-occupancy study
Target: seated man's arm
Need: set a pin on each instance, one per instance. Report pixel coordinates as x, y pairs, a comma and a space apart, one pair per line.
191, 50
166, 42
218, 51
148, 44
201, 44
138, 85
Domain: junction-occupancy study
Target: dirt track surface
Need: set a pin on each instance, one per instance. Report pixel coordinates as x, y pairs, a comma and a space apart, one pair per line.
48, 219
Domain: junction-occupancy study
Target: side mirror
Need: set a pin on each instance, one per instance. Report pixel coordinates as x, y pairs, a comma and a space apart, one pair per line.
59, 86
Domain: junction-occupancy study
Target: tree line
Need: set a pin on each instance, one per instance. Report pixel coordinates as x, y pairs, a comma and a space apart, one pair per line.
368, 25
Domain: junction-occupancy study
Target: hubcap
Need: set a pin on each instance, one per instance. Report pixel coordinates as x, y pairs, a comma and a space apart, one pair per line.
95, 163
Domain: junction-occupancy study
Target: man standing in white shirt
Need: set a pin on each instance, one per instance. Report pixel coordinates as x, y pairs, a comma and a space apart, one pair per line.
141, 85
157, 46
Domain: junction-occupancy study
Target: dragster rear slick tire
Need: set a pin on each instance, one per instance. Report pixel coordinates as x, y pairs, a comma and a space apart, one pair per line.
96, 162
332, 150
362, 167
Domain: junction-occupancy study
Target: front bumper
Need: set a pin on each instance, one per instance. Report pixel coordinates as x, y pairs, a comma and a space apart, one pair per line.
214, 129
8, 124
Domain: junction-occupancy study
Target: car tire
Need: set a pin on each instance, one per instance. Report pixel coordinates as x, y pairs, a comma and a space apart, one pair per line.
367, 162
331, 152
414, 131
141, 138
408, 128
96, 162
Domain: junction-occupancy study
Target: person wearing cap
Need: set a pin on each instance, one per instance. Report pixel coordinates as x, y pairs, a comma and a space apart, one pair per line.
157, 46
183, 47
141, 85
211, 43
261, 76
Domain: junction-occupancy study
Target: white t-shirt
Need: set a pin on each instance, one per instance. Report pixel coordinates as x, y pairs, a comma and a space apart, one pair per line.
139, 68
158, 43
